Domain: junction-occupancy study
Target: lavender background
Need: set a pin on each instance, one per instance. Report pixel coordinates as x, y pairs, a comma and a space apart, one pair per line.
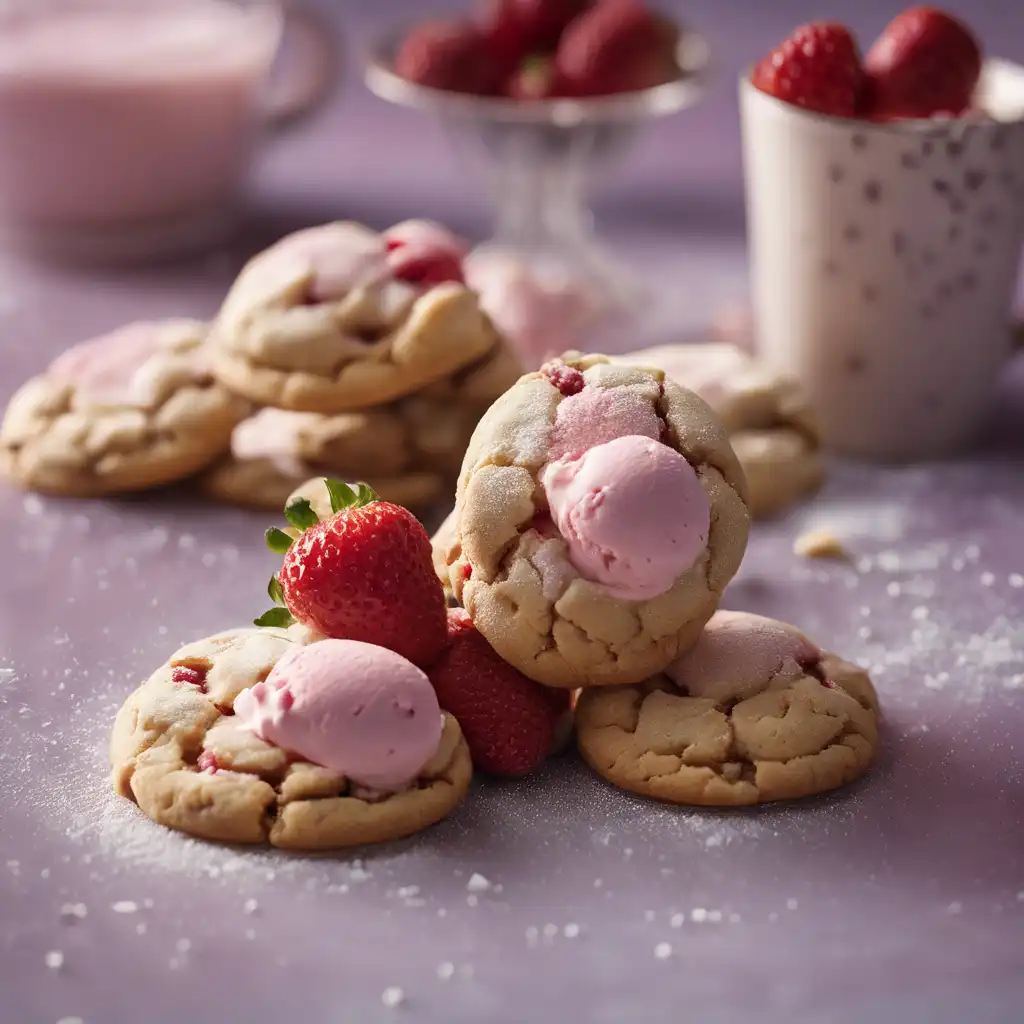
899, 899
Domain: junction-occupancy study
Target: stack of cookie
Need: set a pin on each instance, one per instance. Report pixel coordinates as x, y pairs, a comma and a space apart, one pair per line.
370, 357
337, 351
600, 513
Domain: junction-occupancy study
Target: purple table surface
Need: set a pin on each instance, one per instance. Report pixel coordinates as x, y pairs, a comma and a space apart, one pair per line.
901, 898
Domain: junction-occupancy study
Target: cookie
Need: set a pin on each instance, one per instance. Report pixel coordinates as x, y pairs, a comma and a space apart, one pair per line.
321, 322
443, 544
772, 426
753, 712
179, 752
128, 411
600, 512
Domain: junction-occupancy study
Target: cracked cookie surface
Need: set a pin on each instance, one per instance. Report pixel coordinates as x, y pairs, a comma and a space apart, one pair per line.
511, 569
317, 323
753, 713
177, 753
135, 409
772, 426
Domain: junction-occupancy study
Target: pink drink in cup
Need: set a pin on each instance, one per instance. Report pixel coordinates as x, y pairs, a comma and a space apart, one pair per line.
127, 127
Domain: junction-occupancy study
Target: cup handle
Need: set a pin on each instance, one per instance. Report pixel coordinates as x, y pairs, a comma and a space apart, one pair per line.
311, 71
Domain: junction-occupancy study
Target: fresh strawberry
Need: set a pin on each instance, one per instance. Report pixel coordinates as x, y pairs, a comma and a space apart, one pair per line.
617, 46
449, 55
516, 29
366, 573
424, 253
510, 722
924, 63
818, 67
535, 79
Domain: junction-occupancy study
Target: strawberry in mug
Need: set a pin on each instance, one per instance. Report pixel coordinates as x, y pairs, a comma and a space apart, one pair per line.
886, 217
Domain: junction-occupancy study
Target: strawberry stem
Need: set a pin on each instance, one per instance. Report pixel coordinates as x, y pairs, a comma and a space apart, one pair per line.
300, 514
278, 541
278, 618
349, 496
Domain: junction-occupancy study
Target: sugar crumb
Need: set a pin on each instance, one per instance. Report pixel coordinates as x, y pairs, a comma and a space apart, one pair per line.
392, 997
662, 951
819, 544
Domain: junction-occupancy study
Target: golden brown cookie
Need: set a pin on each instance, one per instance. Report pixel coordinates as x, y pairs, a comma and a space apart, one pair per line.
754, 712
128, 411
177, 752
513, 570
771, 424
319, 323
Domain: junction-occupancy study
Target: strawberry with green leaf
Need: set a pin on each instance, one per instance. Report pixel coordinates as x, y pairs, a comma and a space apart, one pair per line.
364, 573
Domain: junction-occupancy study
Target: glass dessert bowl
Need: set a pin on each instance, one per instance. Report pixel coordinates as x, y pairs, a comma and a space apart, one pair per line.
538, 157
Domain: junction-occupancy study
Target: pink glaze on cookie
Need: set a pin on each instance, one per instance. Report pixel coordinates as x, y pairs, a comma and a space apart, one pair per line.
633, 514
342, 257
273, 434
738, 653
594, 416
352, 707
106, 370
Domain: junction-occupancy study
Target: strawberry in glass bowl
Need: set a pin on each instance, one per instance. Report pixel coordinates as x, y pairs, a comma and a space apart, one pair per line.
544, 93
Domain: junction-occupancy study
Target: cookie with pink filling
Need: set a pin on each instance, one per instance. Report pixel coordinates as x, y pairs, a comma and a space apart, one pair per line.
599, 514
287, 737
127, 411
339, 317
753, 712
772, 426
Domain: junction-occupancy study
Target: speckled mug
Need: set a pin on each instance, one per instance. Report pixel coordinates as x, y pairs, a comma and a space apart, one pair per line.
884, 261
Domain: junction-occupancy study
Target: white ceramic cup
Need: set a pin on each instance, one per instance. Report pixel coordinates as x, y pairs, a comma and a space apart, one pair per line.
127, 127
884, 259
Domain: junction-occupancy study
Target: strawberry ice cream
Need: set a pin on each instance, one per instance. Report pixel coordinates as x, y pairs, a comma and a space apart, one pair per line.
352, 707
633, 514
738, 653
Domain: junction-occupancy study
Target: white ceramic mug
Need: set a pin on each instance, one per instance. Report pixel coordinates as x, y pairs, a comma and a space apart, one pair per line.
127, 127
884, 259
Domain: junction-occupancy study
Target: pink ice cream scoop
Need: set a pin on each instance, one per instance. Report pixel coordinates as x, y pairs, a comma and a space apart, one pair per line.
633, 514
352, 707
739, 653
596, 415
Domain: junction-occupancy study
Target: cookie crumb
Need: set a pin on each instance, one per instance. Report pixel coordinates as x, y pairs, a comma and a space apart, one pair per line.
124, 907
550, 930
1016, 580
71, 1020
55, 959
819, 544
392, 997
792, 904
406, 892
571, 930
698, 915
955, 907
662, 951
250, 907
73, 911
478, 883
677, 920
446, 971
472, 900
